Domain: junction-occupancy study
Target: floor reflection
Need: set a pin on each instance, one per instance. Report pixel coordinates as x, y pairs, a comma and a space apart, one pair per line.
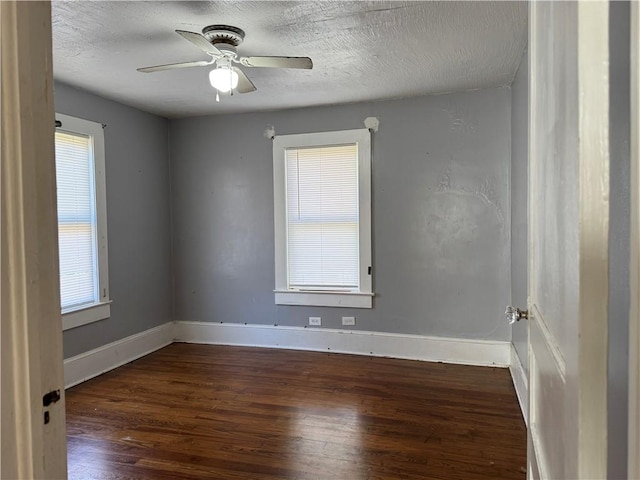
329, 438
87, 457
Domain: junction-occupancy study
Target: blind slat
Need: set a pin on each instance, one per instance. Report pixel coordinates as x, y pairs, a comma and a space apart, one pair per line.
76, 220
322, 217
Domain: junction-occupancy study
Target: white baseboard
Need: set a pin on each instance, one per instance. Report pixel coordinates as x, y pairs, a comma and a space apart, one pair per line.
102, 359
378, 344
520, 382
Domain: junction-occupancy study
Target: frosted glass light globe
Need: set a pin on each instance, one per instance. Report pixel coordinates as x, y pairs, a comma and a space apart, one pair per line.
223, 79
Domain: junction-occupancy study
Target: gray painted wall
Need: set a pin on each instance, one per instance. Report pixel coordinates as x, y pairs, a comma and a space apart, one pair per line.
619, 228
441, 217
138, 218
519, 203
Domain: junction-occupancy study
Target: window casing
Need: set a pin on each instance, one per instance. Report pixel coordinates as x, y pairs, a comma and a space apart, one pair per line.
322, 217
82, 221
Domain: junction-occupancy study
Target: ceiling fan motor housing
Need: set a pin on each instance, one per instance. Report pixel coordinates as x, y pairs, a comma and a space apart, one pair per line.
223, 34
225, 38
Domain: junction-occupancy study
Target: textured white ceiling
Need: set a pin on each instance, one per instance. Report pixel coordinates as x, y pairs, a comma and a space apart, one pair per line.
361, 50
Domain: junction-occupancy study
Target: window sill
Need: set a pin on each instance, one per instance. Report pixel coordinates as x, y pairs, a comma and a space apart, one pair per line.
85, 315
324, 299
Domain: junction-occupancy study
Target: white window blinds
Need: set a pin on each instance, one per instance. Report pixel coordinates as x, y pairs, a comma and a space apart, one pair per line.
76, 220
322, 217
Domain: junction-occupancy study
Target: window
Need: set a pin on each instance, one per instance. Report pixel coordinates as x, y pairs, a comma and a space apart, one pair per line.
322, 200
82, 225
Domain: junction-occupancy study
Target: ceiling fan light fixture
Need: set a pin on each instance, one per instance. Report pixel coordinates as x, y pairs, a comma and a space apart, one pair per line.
223, 79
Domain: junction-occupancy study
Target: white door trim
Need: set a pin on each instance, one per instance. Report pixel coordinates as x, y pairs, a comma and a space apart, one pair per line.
593, 315
569, 98
31, 329
634, 316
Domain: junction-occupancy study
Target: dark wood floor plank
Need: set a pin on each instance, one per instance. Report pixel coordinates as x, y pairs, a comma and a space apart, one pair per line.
200, 411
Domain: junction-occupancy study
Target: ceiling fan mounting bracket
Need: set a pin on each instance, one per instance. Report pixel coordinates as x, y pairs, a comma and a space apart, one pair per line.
223, 34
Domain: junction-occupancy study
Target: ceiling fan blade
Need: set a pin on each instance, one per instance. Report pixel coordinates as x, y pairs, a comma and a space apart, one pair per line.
200, 42
171, 66
244, 84
278, 62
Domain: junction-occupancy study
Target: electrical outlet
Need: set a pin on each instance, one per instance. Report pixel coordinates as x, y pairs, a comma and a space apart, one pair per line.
317, 321
348, 320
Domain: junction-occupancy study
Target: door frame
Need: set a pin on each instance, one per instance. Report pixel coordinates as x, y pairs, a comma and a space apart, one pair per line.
634, 270
31, 325
594, 210
583, 373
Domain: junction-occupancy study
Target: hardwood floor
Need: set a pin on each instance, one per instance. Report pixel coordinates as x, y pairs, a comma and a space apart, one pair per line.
202, 411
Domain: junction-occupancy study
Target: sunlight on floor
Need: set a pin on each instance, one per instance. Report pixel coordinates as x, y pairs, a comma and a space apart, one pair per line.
330, 436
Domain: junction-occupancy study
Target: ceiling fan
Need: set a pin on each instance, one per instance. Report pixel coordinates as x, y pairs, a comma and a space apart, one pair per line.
220, 42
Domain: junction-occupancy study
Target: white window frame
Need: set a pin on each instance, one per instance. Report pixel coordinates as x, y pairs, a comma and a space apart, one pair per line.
77, 316
283, 294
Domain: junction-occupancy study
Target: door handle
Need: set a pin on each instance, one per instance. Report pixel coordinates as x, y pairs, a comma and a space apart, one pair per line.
514, 314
